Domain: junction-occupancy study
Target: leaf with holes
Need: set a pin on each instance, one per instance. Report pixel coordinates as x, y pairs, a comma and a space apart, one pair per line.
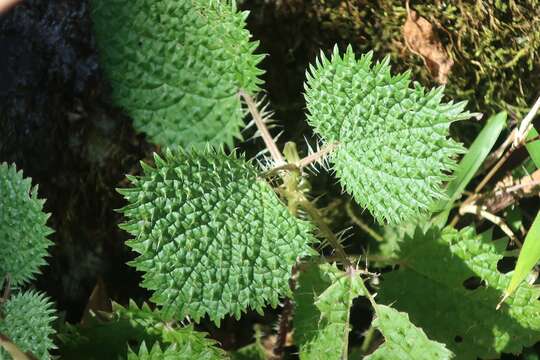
212, 235
403, 340
323, 299
449, 285
176, 66
393, 151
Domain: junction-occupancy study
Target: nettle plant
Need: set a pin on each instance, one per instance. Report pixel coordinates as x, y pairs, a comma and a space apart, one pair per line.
26, 316
218, 234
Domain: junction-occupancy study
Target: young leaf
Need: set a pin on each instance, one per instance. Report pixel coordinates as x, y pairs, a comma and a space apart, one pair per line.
176, 66
528, 257
27, 319
106, 336
475, 156
212, 235
449, 285
23, 229
323, 299
393, 152
403, 340
182, 351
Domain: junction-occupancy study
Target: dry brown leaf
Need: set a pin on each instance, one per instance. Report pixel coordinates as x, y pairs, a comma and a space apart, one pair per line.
98, 301
422, 40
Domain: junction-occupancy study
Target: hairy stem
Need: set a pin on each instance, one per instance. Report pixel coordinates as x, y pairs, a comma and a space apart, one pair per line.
316, 156
365, 227
332, 239
263, 129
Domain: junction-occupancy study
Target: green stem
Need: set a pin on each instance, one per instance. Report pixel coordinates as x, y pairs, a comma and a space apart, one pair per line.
332, 239
365, 227
368, 338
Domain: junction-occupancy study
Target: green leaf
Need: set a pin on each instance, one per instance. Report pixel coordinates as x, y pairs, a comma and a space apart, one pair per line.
23, 229
250, 352
323, 299
469, 165
528, 256
106, 336
403, 340
534, 147
253, 351
188, 349
393, 151
434, 285
176, 66
27, 318
212, 235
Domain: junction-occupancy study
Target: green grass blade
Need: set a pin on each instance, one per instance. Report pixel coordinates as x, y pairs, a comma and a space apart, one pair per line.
470, 163
534, 147
528, 257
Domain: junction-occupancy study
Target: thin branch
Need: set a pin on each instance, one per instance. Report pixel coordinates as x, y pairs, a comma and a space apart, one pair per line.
496, 155
285, 320
481, 211
316, 156
261, 126
332, 239
504, 196
526, 124
365, 227
518, 138
368, 338
494, 170
7, 289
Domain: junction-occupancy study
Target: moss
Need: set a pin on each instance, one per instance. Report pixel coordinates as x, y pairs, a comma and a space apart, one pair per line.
494, 44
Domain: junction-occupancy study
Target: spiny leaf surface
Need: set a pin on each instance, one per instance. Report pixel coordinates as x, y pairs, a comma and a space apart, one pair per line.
23, 229
323, 299
403, 340
107, 335
191, 345
212, 235
26, 318
449, 285
393, 152
176, 66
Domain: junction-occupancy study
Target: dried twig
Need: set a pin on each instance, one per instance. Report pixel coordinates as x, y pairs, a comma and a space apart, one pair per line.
496, 155
285, 321
481, 211
505, 195
517, 138
526, 124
